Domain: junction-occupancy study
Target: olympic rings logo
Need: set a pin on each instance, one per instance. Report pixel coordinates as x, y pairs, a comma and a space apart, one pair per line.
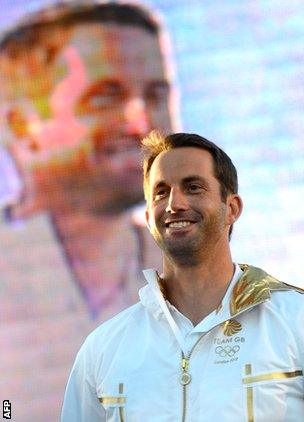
227, 351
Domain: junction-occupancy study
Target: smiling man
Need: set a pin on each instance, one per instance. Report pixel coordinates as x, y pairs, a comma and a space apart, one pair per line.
81, 84
210, 339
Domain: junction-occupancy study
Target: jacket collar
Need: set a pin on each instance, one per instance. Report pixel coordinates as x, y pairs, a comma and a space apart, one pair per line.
254, 287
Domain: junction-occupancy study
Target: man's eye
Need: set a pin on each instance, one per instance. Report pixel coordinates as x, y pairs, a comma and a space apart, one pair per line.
160, 194
158, 92
157, 95
102, 100
99, 98
194, 188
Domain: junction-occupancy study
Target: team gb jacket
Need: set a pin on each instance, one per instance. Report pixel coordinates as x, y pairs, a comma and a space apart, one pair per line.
243, 362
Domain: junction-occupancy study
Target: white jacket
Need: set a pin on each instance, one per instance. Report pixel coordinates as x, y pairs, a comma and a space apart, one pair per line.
243, 362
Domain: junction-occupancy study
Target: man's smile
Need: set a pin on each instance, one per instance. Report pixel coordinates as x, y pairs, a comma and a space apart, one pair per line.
178, 224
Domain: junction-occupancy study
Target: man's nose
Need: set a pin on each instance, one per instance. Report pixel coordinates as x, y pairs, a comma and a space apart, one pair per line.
136, 117
177, 201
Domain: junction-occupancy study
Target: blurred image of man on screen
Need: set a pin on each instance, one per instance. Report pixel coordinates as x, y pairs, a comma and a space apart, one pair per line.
81, 84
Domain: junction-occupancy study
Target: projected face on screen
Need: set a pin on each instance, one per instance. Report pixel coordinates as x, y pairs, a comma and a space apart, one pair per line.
75, 118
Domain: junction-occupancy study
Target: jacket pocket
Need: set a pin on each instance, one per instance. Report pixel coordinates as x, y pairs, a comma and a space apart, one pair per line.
115, 406
274, 394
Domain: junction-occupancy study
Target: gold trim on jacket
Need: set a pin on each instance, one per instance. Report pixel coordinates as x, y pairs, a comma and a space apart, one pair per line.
254, 287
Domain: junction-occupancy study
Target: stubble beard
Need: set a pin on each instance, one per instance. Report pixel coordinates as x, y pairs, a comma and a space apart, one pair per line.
189, 252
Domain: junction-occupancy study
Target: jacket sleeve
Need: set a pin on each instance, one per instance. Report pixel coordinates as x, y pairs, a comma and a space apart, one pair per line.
298, 324
81, 402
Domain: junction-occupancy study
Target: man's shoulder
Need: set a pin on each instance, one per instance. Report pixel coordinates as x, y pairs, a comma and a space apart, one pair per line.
256, 286
295, 288
122, 318
113, 328
288, 297
256, 277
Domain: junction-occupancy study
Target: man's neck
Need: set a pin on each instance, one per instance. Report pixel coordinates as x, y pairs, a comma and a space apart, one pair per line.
197, 291
82, 225
101, 253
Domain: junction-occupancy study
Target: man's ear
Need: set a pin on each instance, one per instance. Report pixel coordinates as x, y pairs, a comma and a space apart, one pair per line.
17, 122
234, 208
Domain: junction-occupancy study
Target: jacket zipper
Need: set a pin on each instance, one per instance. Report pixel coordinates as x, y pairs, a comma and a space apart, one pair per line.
185, 377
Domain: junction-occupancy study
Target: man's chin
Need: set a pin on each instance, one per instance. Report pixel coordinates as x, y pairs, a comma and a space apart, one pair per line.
184, 253
184, 257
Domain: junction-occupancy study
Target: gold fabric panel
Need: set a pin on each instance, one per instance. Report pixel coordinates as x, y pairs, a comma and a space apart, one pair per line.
249, 394
112, 400
272, 376
121, 409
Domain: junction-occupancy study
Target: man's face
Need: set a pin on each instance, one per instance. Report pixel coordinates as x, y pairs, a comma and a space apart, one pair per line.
185, 213
87, 111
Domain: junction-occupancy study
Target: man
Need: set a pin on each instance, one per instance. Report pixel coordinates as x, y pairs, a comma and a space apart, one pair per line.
210, 340
80, 85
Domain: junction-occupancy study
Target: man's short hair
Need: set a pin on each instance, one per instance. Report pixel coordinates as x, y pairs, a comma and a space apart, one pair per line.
224, 170
67, 14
